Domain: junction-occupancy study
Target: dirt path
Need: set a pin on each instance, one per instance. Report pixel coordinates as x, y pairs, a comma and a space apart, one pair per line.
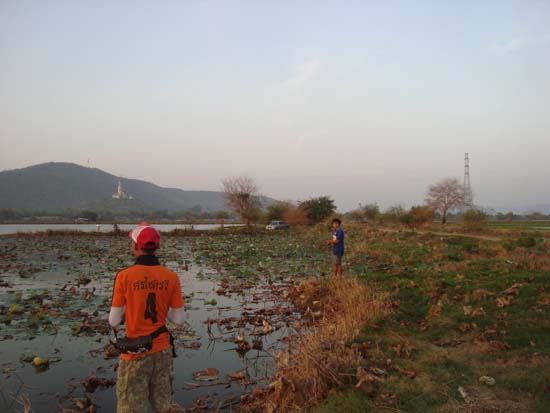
446, 234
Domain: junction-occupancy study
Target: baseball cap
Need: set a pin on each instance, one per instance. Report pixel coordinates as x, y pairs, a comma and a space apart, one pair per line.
145, 236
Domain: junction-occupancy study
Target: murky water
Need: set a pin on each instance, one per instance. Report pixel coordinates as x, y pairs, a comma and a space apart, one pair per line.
54, 315
15, 228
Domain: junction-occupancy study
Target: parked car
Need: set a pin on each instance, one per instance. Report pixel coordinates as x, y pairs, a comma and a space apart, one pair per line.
274, 225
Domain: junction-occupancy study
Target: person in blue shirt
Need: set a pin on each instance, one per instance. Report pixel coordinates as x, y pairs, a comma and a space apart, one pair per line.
337, 243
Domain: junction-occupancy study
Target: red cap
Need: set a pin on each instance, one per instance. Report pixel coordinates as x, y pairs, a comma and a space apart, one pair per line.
145, 236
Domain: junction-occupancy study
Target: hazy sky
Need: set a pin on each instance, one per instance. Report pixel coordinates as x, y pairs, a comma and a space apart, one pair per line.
363, 100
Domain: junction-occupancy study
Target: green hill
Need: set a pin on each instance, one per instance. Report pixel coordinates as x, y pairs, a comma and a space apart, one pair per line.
56, 186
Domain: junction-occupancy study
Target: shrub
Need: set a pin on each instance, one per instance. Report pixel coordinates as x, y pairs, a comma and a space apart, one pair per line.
371, 212
318, 208
295, 215
276, 211
418, 216
526, 242
394, 214
474, 220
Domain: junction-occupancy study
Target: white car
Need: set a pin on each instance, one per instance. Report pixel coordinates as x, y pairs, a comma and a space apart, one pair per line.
274, 225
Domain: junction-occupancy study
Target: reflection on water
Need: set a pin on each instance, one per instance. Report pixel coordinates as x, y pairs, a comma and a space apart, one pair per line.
73, 284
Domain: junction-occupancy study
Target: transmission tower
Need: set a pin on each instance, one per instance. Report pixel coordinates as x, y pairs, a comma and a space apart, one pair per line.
468, 196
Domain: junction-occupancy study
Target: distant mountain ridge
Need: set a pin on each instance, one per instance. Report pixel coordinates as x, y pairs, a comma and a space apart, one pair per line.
60, 185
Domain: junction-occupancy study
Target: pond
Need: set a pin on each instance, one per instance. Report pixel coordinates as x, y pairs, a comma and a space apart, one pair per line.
54, 299
15, 228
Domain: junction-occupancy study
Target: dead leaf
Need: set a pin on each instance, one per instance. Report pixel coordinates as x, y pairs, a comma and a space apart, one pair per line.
498, 345
513, 290
481, 295
435, 311
503, 301
365, 380
236, 376
209, 374
464, 327
478, 312
411, 374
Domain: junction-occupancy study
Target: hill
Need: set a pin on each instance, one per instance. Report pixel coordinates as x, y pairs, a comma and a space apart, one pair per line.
55, 186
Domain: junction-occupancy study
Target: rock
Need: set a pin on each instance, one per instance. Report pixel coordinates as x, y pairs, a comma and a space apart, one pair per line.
489, 381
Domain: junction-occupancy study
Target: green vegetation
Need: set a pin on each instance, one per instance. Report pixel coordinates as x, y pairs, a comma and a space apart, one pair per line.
463, 308
522, 225
474, 220
318, 209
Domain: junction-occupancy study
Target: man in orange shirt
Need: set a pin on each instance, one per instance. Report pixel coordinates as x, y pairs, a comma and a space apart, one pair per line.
145, 295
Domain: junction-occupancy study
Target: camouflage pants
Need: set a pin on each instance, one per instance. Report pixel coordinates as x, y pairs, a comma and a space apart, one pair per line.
145, 380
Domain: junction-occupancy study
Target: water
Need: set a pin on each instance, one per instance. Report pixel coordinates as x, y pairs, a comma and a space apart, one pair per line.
15, 228
53, 264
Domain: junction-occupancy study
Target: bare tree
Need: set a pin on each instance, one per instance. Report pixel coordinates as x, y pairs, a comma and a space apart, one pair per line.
241, 194
445, 195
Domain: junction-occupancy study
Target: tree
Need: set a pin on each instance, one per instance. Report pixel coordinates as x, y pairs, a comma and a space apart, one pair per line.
445, 196
276, 210
89, 215
356, 215
295, 215
371, 212
8, 214
221, 216
394, 214
241, 194
318, 208
509, 216
536, 216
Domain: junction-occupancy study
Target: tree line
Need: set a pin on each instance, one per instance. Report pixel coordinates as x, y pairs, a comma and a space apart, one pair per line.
444, 200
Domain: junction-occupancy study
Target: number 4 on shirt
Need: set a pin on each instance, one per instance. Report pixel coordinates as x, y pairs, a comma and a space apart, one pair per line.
151, 308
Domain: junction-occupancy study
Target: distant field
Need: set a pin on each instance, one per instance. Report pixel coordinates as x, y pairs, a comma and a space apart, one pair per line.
521, 225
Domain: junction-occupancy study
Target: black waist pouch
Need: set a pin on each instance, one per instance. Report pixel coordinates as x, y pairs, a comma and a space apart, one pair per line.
134, 345
141, 344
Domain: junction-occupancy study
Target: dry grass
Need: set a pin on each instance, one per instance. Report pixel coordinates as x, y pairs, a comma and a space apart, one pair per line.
318, 360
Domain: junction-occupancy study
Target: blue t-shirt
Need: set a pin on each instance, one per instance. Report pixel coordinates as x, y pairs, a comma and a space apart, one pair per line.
338, 234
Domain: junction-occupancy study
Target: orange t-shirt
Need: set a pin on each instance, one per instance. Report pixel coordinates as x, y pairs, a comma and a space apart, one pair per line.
148, 290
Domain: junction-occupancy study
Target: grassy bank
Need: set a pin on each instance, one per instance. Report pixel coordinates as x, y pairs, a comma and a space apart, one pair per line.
463, 310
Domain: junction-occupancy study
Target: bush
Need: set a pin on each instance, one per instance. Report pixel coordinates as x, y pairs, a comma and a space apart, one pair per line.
371, 212
295, 215
474, 220
526, 242
418, 216
394, 214
318, 208
368, 213
276, 211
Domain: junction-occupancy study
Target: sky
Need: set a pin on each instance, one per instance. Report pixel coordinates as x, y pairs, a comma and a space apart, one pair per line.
365, 101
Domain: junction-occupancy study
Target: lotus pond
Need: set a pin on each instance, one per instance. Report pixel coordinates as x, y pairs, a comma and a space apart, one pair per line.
55, 293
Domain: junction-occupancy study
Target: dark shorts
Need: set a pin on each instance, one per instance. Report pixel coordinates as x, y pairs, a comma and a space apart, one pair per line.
338, 259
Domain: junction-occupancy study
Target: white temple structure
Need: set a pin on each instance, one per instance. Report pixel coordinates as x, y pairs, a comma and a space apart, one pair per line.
120, 194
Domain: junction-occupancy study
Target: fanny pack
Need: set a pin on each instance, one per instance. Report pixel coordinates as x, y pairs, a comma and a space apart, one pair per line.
142, 344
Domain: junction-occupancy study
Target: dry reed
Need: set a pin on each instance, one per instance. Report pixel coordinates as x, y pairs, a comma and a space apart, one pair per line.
319, 359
